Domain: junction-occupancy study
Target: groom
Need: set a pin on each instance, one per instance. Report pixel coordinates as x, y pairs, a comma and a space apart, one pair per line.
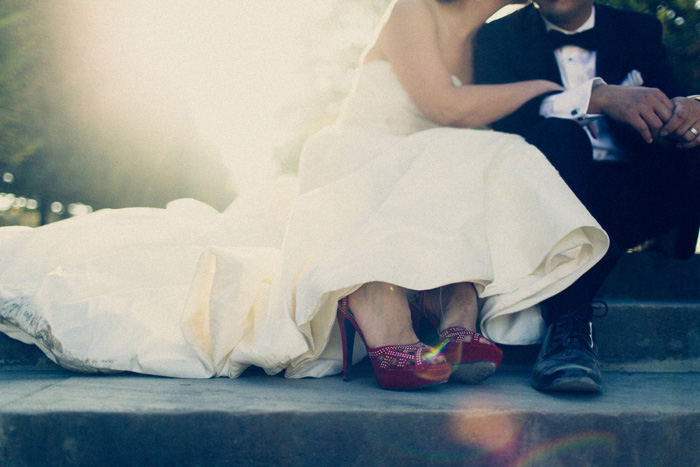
623, 135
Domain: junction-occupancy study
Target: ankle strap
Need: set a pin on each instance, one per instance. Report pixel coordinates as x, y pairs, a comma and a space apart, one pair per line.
459, 333
404, 355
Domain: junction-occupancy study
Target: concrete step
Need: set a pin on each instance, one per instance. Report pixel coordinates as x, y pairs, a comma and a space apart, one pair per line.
653, 277
53, 417
653, 320
637, 336
653, 323
634, 336
13, 353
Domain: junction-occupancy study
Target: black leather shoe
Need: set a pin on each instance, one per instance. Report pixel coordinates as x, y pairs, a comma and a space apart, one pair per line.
568, 360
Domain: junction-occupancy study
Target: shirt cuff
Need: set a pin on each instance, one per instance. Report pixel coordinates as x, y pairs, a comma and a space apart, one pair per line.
571, 104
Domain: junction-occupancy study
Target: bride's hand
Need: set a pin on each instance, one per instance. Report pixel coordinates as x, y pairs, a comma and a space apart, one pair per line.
547, 86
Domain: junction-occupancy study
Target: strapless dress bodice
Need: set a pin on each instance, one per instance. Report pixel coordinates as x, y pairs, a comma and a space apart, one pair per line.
379, 101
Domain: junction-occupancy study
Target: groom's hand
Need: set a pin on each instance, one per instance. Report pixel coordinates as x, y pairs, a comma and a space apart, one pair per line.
645, 109
686, 115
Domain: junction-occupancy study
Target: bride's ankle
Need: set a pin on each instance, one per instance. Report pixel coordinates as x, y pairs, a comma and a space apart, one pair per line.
453, 305
381, 310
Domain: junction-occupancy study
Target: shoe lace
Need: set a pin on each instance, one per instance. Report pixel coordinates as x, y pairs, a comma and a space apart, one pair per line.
574, 328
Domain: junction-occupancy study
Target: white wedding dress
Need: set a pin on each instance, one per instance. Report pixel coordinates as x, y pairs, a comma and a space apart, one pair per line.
382, 195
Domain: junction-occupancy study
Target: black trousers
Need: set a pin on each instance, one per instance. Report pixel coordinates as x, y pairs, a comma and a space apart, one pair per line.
656, 192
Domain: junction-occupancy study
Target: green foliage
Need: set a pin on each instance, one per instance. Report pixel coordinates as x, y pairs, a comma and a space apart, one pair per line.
20, 136
63, 146
681, 22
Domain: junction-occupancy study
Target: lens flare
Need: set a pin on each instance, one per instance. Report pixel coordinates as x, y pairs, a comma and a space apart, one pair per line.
599, 440
502, 439
492, 432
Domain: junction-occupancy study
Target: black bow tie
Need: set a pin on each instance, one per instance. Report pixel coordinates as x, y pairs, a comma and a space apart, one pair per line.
586, 40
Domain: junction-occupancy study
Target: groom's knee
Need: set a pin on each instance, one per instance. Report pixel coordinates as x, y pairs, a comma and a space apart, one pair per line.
560, 135
567, 147
563, 142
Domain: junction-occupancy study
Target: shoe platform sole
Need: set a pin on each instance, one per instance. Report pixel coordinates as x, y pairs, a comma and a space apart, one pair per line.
414, 388
407, 380
472, 373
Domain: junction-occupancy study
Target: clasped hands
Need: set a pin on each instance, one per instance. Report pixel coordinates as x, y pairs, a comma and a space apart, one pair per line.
650, 112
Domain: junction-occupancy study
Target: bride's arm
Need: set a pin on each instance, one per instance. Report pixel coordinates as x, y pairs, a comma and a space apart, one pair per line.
410, 44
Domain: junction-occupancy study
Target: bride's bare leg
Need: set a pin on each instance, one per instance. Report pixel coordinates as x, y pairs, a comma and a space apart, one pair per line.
381, 310
453, 305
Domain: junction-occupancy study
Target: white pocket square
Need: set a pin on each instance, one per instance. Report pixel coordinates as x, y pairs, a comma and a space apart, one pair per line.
633, 78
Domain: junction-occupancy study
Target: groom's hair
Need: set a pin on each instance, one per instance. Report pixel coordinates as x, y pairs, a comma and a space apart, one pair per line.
445, 1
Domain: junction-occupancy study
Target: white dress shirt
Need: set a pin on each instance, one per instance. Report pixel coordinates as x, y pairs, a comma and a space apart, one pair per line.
577, 67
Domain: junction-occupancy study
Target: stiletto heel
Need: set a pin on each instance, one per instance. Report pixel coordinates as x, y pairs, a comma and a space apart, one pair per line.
473, 357
395, 366
347, 335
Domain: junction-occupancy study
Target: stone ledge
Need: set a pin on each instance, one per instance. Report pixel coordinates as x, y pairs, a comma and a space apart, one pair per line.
637, 336
653, 276
59, 418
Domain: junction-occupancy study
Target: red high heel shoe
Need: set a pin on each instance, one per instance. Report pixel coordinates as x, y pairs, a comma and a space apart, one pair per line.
473, 357
395, 366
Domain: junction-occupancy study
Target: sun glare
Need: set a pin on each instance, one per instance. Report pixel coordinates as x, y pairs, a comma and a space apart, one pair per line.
231, 73
225, 67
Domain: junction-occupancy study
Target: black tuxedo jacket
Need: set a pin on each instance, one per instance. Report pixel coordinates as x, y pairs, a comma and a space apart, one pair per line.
515, 48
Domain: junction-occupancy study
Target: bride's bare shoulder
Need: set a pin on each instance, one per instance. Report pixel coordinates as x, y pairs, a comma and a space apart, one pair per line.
407, 14
403, 18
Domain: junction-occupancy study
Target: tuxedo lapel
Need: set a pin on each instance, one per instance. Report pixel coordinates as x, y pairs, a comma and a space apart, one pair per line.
610, 59
535, 54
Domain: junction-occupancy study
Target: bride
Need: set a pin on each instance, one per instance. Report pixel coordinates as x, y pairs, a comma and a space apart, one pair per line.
399, 200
